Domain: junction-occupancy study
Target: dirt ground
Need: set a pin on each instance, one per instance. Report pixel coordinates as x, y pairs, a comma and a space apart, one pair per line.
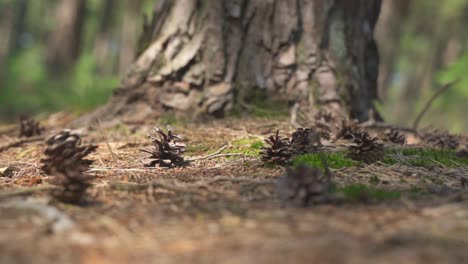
223, 209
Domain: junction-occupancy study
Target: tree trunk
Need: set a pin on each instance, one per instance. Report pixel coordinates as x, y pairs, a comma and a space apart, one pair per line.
199, 57
391, 26
103, 38
19, 24
129, 34
65, 40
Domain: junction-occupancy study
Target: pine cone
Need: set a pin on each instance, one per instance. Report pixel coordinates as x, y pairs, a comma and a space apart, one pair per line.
72, 185
30, 127
279, 150
167, 150
441, 140
464, 182
305, 141
347, 130
324, 116
395, 136
366, 148
463, 154
323, 122
64, 151
304, 186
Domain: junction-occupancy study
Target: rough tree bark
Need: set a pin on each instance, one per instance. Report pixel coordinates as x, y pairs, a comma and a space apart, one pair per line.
200, 56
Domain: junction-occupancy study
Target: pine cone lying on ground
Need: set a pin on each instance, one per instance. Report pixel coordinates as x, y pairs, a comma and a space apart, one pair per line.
71, 185
324, 117
395, 136
463, 153
304, 186
348, 130
64, 150
65, 162
167, 150
305, 141
30, 127
441, 140
278, 151
323, 123
366, 148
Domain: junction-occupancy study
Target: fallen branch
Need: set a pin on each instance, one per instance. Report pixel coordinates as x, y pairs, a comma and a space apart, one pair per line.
438, 93
20, 141
59, 221
237, 179
25, 191
127, 186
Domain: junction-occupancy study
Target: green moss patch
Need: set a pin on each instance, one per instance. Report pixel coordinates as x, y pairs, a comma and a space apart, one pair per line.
247, 146
199, 148
361, 192
335, 160
423, 157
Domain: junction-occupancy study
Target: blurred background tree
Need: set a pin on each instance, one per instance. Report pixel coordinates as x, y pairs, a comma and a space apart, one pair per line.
423, 45
69, 55
64, 54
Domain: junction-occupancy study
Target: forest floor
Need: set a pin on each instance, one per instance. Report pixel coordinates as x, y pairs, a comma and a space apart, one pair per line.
224, 208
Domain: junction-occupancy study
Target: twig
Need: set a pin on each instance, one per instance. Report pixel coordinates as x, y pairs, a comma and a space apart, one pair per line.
438, 93
216, 154
236, 179
127, 170
20, 141
99, 126
207, 156
25, 191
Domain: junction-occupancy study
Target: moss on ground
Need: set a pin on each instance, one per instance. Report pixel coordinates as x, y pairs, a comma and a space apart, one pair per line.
361, 192
335, 160
247, 146
199, 149
420, 157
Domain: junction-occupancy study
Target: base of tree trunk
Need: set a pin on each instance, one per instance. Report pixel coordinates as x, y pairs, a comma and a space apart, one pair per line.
202, 57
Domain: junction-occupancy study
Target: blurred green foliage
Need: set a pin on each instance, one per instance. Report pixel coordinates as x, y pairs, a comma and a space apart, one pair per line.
428, 50
30, 88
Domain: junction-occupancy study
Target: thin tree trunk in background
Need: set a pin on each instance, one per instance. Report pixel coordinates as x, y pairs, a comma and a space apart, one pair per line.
389, 30
18, 26
201, 56
65, 39
129, 34
6, 22
103, 38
